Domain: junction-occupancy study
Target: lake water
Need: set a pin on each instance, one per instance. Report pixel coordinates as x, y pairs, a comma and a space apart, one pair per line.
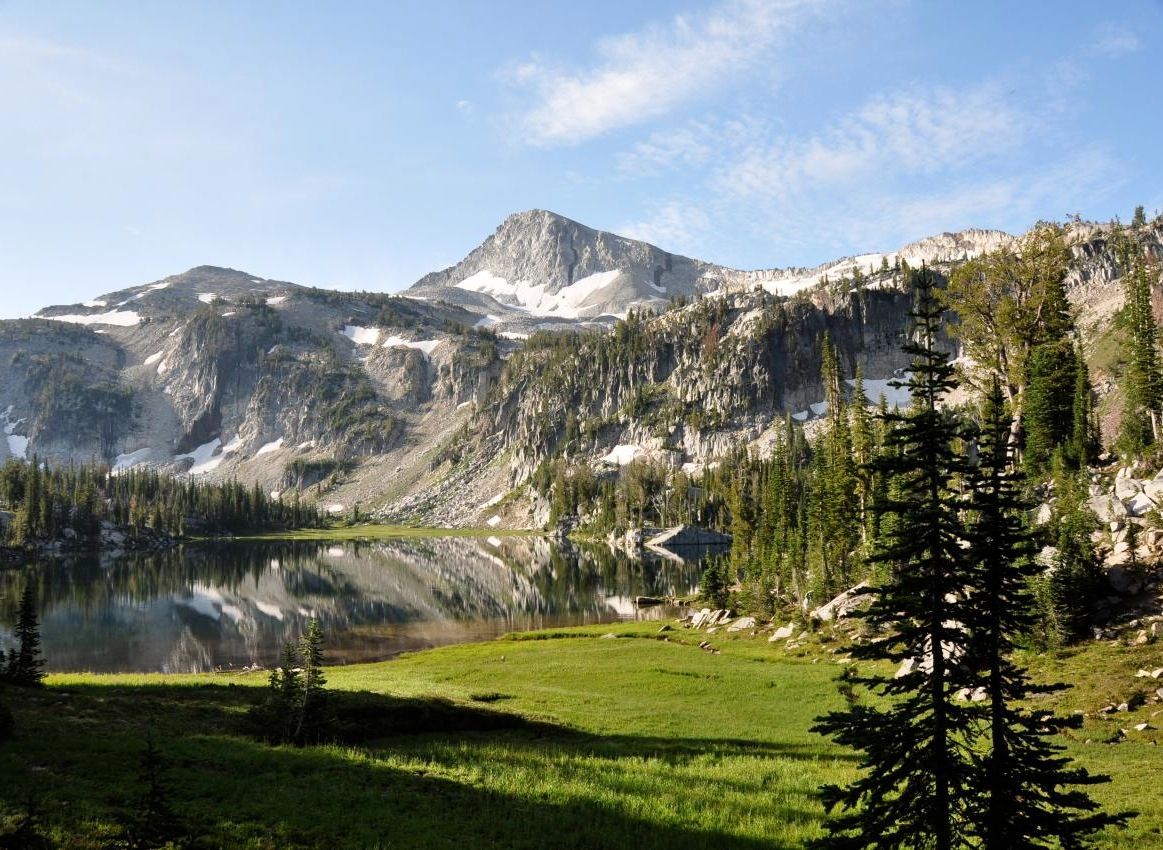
231, 605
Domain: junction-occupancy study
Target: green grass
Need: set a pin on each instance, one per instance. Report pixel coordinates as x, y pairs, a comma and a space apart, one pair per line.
557, 740
383, 532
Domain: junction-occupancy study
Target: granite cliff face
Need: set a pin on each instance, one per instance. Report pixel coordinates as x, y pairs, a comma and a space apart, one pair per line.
434, 404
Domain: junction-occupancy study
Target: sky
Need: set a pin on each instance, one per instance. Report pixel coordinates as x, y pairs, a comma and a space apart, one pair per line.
360, 145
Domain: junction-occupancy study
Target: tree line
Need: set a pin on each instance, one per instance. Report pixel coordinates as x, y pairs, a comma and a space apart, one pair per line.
48, 503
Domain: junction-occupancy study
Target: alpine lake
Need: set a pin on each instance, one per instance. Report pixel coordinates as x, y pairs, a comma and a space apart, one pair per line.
232, 604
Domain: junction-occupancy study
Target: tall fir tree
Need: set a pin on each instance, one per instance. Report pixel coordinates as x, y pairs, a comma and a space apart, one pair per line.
25, 665
1024, 798
916, 742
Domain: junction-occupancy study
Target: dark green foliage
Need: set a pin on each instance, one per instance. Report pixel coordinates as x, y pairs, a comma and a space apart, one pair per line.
24, 666
916, 745
1143, 380
151, 821
715, 582
1022, 798
296, 709
25, 830
7, 721
51, 503
1053, 374
1139, 219
1075, 580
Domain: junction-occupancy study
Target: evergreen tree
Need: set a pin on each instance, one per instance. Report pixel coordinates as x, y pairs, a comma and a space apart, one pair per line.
25, 666
1139, 219
1022, 799
1143, 382
915, 743
1075, 580
1084, 441
312, 706
152, 823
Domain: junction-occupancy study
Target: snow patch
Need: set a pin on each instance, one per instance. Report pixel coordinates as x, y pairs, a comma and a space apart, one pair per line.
276, 299
153, 358
493, 521
95, 303
120, 318
233, 446
427, 346
335, 509
204, 457
206, 297
272, 446
819, 408
121, 463
568, 302
496, 500
622, 455
361, 336
18, 446
487, 321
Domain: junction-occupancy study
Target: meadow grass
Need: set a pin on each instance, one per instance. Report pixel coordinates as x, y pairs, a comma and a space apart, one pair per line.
607, 737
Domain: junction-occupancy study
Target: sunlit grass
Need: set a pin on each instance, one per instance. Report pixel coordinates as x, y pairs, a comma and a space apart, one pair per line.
622, 736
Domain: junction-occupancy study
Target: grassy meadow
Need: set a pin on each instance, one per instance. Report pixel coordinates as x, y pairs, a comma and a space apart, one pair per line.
573, 738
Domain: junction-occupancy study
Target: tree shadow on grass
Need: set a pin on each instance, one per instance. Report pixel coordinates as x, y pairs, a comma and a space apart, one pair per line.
505, 781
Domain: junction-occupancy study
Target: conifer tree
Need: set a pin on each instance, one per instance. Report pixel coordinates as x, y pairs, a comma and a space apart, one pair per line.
916, 744
311, 707
1143, 383
1023, 799
25, 666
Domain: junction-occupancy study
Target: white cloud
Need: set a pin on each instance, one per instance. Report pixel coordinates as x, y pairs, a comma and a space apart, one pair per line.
673, 227
909, 132
643, 75
1114, 41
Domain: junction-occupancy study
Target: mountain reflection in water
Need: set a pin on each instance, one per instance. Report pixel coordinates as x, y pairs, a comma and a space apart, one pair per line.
230, 605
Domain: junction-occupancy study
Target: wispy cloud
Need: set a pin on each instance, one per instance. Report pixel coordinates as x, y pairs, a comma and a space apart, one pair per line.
910, 132
1113, 41
674, 226
643, 75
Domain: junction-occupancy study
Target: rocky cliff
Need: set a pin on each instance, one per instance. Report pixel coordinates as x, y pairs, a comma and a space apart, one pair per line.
433, 404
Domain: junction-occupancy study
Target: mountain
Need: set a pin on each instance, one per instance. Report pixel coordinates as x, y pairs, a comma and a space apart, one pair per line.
434, 404
540, 270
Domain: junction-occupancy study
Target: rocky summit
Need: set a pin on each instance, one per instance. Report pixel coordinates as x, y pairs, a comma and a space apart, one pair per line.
435, 404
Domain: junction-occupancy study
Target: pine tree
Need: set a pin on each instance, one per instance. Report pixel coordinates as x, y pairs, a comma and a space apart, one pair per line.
25, 666
1022, 799
1143, 383
916, 743
152, 823
312, 705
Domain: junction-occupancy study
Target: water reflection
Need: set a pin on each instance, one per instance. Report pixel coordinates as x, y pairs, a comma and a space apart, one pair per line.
232, 605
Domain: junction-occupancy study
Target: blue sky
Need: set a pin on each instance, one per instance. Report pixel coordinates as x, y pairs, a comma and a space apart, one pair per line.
361, 145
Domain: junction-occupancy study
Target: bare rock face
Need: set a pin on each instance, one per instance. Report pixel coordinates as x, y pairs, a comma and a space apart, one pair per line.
431, 405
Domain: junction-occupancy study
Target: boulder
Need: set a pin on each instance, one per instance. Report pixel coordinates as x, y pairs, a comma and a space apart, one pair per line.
741, 624
700, 618
1043, 514
1153, 490
1107, 508
843, 604
783, 632
1140, 505
1127, 488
